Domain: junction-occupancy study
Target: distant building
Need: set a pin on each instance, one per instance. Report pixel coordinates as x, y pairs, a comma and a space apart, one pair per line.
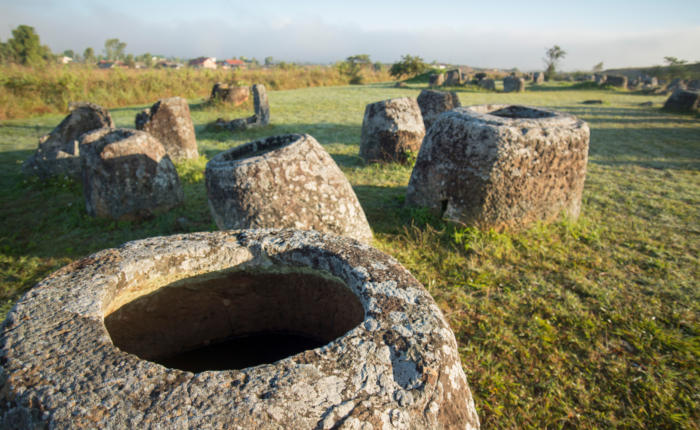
103, 64
66, 60
168, 65
441, 65
203, 63
232, 64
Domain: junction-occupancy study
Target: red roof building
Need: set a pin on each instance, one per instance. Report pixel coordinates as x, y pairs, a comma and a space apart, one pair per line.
203, 63
232, 64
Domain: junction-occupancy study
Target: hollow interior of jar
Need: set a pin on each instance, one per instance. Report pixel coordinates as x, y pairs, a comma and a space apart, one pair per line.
259, 147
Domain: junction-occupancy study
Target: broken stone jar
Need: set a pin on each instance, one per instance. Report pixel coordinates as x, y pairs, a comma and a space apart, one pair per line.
501, 166
261, 329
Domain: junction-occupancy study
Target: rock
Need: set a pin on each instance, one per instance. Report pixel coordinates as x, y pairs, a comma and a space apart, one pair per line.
433, 103
127, 175
683, 100
538, 78
512, 84
59, 152
230, 93
170, 121
652, 81
465, 78
479, 76
488, 84
453, 77
694, 84
390, 129
436, 79
79, 349
501, 166
569, 79
647, 104
593, 102
600, 79
617, 81
283, 182
675, 84
260, 119
400, 85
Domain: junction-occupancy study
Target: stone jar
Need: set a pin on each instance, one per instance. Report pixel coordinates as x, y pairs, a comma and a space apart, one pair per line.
433, 103
390, 129
501, 166
127, 175
683, 100
260, 119
230, 93
453, 77
513, 84
436, 80
538, 78
617, 81
487, 84
286, 181
170, 122
80, 349
59, 152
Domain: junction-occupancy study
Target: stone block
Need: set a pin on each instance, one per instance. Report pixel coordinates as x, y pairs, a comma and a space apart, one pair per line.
683, 100
390, 128
453, 77
286, 181
501, 166
260, 119
170, 122
436, 80
538, 78
433, 103
617, 81
487, 84
512, 84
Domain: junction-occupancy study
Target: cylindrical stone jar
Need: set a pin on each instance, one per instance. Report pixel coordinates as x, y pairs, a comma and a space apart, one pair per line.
81, 348
501, 166
286, 181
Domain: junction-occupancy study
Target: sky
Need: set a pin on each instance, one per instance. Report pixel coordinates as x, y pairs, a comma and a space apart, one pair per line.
503, 34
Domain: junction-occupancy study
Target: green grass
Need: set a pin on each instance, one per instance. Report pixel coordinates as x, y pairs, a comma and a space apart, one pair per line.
591, 324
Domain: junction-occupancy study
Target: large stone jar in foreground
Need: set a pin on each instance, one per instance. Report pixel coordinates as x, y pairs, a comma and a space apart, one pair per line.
391, 129
127, 175
286, 181
170, 121
501, 166
79, 349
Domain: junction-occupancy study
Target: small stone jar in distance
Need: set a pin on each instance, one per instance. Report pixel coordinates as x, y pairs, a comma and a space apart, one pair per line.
286, 181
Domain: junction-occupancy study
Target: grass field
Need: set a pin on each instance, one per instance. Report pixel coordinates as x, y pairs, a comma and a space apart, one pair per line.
587, 324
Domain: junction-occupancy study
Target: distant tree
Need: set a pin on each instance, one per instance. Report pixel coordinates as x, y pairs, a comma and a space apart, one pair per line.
89, 55
378, 67
598, 67
268, 61
675, 67
254, 62
552, 59
130, 63
69, 53
359, 59
25, 48
410, 66
673, 61
147, 59
114, 49
77, 58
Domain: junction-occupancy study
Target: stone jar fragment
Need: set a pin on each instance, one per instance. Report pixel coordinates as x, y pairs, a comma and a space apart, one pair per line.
513, 84
617, 81
683, 100
487, 84
433, 103
390, 129
538, 78
436, 79
501, 166
170, 121
286, 181
260, 119
78, 350
127, 175
230, 93
59, 152
454, 77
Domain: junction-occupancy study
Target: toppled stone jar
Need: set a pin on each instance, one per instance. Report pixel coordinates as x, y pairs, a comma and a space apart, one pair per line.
286, 181
260, 119
501, 166
80, 349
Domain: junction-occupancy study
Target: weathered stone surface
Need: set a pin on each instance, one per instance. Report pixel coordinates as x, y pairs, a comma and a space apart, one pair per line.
260, 119
600, 79
683, 100
694, 84
512, 84
230, 93
127, 175
538, 78
675, 84
390, 129
488, 84
617, 81
436, 79
433, 103
59, 152
501, 166
453, 77
67, 362
286, 181
170, 121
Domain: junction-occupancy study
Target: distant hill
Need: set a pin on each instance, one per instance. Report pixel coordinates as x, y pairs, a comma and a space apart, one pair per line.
691, 70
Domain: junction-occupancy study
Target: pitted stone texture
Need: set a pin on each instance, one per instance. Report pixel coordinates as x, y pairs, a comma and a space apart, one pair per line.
286, 181
617, 81
399, 369
433, 103
487, 84
436, 79
390, 129
538, 78
230, 93
127, 175
513, 84
501, 166
170, 122
683, 100
453, 77
260, 119
600, 79
59, 152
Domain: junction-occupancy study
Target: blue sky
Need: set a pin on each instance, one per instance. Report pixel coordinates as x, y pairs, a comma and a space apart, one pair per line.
500, 34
